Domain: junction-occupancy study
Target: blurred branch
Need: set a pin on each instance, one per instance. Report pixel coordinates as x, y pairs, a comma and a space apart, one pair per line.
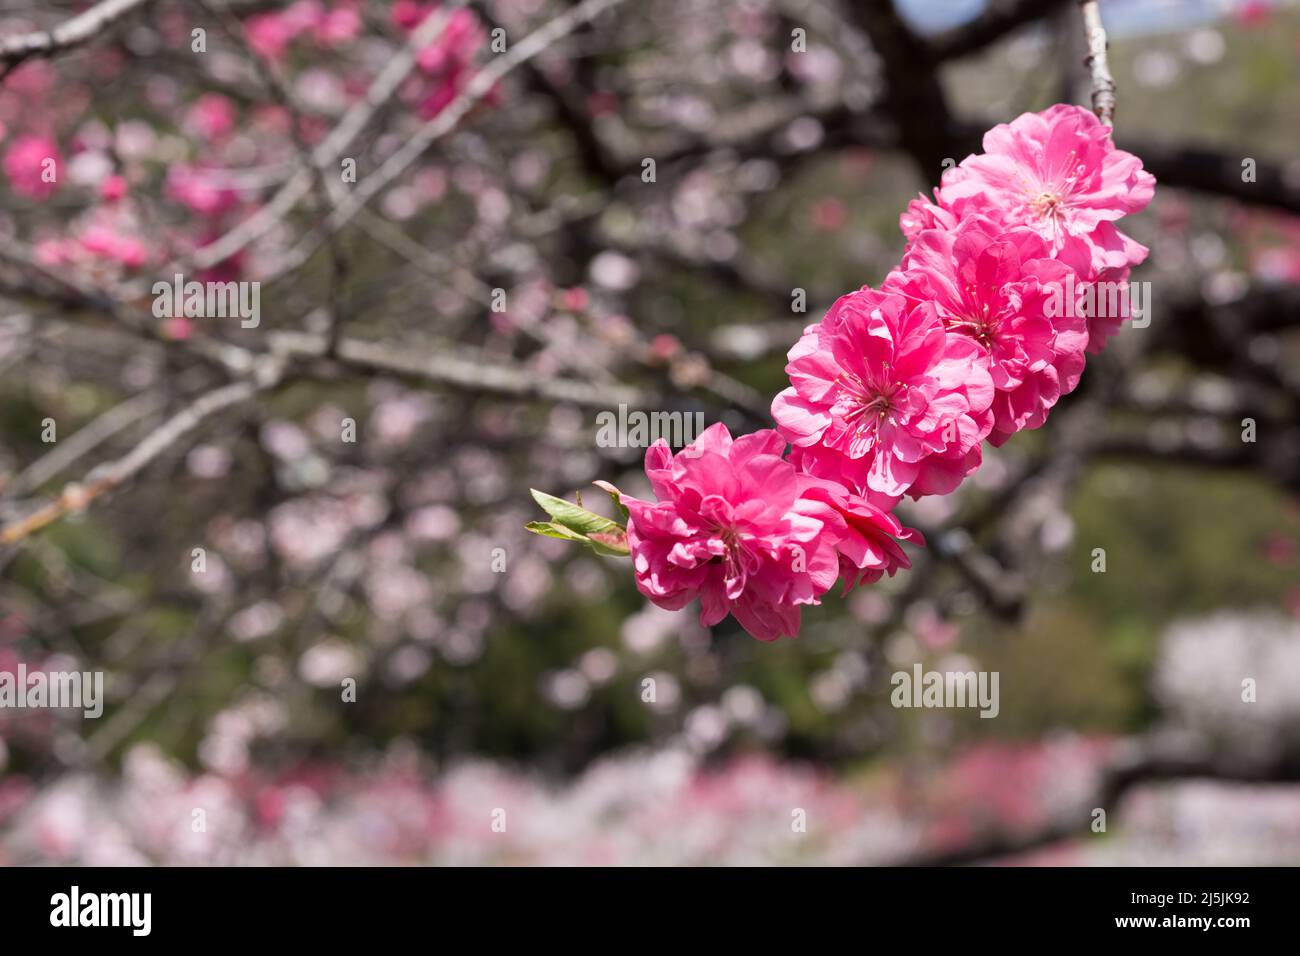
593, 154
384, 87
467, 372
1179, 451
482, 83
1197, 168
914, 96
329, 188
70, 33
996, 20
25, 276
105, 478
83, 441
178, 661
1211, 171
1000, 589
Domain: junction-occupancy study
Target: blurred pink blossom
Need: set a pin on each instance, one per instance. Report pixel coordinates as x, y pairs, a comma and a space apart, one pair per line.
32, 164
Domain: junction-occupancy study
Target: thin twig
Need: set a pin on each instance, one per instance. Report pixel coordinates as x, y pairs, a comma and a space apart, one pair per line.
84, 441
354, 121
331, 189
468, 372
480, 86
1103, 84
75, 497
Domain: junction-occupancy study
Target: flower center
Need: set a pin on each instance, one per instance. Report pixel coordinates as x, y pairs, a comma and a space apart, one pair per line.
865, 405
1047, 205
732, 561
980, 323
730, 537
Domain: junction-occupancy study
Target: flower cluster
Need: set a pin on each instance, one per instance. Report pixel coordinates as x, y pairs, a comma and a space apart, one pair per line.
743, 529
895, 390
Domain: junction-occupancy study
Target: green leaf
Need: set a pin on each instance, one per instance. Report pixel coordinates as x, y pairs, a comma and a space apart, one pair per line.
573, 516
550, 529
574, 523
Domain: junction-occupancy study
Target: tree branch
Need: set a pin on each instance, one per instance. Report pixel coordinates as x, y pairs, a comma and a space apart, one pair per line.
1103, 84
482, 83
914, 96
70, 33
466, 372
75, 497
383, 88
998, 18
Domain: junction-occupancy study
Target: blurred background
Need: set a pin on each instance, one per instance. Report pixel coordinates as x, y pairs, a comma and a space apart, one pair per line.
296, 551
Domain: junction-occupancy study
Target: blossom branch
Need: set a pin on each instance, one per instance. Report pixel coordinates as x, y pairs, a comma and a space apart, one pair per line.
384, 87
446, 120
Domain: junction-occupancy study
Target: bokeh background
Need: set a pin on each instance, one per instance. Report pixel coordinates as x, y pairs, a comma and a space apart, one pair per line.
498, 671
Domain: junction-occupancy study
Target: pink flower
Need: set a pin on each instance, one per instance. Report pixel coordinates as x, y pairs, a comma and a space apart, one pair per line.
269, 34
731, 528
338, 27
829, 214
922, 214
105, 242
178, 328
1056, 172
32, 165
1012, 273
883, 400
31, 81
113, 188
998, 290
305, 14
1104, 261
198, 190
409, 14
576, 299
53, 252
664, 347
448, 61
1104, 321
868, 549
454, 47
211, 117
